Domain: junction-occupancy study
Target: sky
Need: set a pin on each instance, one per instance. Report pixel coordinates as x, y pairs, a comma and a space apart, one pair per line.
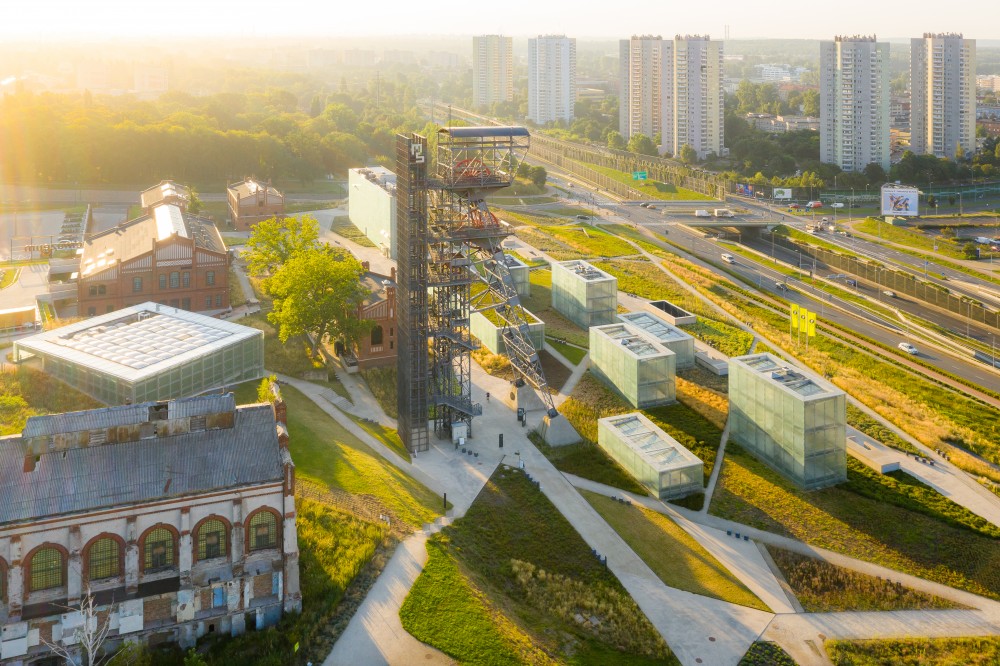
41, 20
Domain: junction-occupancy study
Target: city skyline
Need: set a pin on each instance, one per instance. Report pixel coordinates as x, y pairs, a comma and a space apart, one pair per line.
587, 19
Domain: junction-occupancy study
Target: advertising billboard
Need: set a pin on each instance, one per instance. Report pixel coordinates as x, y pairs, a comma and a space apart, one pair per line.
782, 193
900, 201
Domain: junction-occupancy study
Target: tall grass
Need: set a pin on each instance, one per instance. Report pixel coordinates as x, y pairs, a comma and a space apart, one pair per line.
27, 392
916, 652
382, 383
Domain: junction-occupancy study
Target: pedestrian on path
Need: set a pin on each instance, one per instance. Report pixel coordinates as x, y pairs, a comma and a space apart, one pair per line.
487, 396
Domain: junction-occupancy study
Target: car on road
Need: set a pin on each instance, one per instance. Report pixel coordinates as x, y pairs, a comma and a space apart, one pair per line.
890, 294
644, 205
728, 258
814, 204
853, 283
836, 205
781, 286
908, 348
583, 217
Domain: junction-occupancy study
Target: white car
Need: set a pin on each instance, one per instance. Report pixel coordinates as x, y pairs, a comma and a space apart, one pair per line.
908, 348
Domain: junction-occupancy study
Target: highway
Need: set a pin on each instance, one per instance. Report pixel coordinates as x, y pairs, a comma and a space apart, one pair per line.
847, 315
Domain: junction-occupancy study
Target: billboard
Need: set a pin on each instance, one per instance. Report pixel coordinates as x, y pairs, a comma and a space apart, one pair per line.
744, 190
782, 193
900, 201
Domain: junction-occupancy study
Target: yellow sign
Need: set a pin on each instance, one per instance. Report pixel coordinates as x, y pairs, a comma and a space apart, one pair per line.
812, 325
795, 316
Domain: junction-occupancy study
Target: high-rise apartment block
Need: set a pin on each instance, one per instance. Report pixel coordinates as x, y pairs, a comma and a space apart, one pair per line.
673, 88
693, 99
492, 70
943, 94
640, 99
551, 78
854, 102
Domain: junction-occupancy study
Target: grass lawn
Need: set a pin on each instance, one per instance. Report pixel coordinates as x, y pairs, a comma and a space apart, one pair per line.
292, 357
334, 547
533, 219
676, 558
520, 559
552, 246
822, 587
916, 652
540, 304
388, 436
910, 238
571, 353
877, 431
342, 226
326, 453
590, 241
892, 520
26, 392
651, 188
382, 383
763, 653
730, 340
446, 610
236, 295
8, 277
296, 207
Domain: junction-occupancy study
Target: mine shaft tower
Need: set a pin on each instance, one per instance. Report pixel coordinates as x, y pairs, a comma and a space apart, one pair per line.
451, 263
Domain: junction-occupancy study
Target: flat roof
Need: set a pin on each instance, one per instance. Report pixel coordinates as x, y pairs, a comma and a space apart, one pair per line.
377, 175
657, 448
654, 327
792, 379
139, 341
584, 270
633, 340
489, 132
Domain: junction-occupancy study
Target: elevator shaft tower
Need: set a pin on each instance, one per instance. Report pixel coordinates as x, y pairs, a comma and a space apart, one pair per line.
451, 263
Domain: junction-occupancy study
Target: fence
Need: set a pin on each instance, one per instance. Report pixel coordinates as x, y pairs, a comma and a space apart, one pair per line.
365, 507
899, 282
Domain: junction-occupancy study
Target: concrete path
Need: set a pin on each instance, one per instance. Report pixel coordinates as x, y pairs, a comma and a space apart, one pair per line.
32, 281
375, 635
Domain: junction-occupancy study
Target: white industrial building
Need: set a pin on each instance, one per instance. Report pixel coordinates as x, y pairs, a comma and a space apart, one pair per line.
372, 206
942, 94
854, 102
652, 456
671, 337
551, 78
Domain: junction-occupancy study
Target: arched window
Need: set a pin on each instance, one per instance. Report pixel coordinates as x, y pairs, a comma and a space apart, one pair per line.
104, 559
102, 289
377, 335
263, 531
211, 539
46, 569
158, 551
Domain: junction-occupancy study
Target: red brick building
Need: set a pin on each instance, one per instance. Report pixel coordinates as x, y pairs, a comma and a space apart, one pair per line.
167, 192
251, 201
378, 348
165, 256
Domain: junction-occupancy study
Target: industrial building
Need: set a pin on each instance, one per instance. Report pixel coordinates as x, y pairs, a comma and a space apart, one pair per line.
147, 352
372, 206
488, 328
586, 295
854, 103
790, 419
178, 518
635, 366
671, 337
378, 347
942, 94
165, 255
652, 456
251, 202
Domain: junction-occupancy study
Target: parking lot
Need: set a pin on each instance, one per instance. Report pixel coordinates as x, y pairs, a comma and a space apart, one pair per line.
40, 224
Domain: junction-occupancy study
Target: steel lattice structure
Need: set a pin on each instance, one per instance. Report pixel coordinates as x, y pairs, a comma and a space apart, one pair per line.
449, 241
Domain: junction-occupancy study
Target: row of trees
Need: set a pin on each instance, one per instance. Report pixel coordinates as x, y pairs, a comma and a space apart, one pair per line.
316, 289
764, 98
52, 138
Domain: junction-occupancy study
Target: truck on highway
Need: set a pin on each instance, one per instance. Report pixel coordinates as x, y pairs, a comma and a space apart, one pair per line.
702, 213
982, 240
724, 212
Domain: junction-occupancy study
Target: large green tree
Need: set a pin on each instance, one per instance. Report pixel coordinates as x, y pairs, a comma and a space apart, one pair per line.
642, 144
273, 242
318, 291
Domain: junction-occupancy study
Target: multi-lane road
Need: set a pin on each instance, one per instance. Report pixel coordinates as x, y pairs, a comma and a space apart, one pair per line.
843, 313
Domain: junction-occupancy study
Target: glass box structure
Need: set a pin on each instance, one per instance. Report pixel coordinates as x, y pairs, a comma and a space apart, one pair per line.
636, 367
652, 456
671, 337
519, 275
586, 295
148, 352
793, 421
488, 327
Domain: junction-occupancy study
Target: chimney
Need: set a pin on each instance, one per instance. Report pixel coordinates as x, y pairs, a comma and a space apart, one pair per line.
282, 435
29, 462
392, 274
278, 405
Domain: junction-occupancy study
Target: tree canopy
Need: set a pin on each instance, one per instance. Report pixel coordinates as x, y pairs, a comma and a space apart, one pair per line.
273, 242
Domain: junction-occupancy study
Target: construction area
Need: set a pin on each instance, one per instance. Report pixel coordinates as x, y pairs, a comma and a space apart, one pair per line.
449, 241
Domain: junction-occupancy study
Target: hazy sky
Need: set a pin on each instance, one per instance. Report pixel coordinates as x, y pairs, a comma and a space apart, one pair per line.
155, 19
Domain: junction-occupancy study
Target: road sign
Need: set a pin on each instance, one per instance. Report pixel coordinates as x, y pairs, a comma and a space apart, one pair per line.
639, 175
